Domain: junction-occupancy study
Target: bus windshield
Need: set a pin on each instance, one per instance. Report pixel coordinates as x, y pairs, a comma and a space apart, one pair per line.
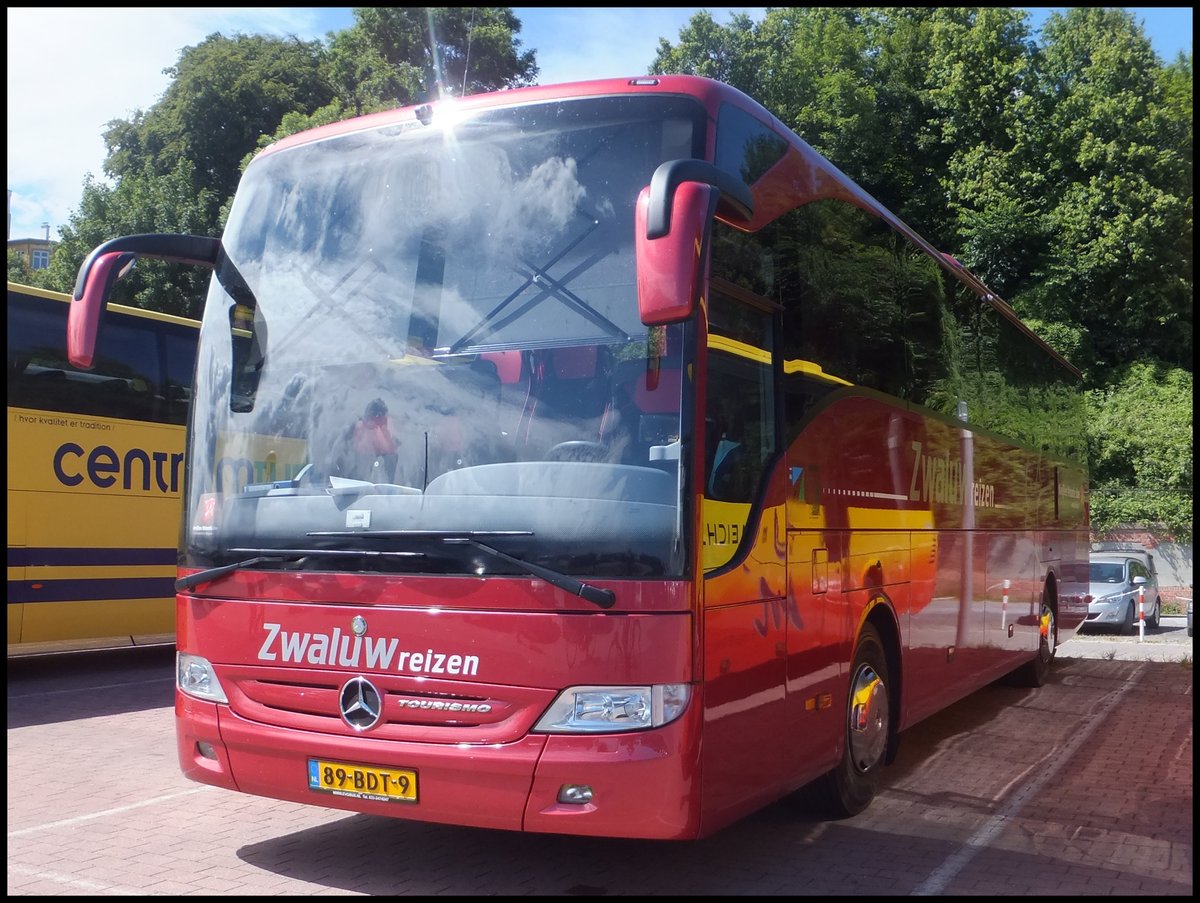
422, 331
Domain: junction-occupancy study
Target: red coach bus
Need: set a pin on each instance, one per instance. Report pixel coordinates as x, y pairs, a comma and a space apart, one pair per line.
632, 468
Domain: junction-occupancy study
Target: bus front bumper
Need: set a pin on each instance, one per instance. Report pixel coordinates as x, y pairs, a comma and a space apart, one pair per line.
642, 784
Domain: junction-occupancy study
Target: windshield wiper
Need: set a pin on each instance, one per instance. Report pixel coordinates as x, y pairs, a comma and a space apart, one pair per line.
296, 556
208, 575
604, 598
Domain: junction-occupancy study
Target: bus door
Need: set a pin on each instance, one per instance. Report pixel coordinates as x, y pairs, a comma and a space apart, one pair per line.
817, 606
746, 624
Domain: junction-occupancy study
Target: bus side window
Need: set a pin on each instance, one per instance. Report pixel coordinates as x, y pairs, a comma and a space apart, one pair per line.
738, 427
740, 417
32, 386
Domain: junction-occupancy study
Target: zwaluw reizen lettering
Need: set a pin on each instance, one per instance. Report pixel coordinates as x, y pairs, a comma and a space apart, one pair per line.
347, 651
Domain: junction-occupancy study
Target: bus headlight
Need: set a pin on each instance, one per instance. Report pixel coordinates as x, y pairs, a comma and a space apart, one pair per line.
195, 676
597, 710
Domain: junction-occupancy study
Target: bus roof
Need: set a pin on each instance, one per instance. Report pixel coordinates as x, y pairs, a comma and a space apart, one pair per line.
114, 307
774, 192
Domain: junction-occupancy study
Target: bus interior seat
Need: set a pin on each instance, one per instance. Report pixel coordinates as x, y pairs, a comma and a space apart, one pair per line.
643, 399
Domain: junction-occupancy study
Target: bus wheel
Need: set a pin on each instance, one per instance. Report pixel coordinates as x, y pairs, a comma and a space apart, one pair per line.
849, 788
1034, 673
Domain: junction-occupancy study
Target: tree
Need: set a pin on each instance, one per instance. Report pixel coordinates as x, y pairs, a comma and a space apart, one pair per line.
455, 50
1117, 165
724, 52
18, 268
979, 83
225, 93
173, 166
139, 203
396, 56
1141, 450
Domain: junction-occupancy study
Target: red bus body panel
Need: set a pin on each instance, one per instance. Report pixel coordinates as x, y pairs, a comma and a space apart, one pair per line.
282, 665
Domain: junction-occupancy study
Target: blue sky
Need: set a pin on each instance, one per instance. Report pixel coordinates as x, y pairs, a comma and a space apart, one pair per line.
71, 70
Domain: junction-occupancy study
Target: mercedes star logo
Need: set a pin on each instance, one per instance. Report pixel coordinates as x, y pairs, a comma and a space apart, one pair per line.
360, 704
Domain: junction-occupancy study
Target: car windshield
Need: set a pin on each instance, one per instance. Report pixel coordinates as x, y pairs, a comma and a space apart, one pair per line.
1107, 572
418, 332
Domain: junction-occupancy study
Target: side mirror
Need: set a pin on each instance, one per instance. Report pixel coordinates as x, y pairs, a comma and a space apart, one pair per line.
83, 317
109, 262
669, 267
1139, 581
671, 224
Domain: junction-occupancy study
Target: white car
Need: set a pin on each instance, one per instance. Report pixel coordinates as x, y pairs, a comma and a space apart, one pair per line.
1122, 587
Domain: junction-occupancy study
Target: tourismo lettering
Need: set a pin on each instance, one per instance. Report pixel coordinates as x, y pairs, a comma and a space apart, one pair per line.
103, 464
378, 653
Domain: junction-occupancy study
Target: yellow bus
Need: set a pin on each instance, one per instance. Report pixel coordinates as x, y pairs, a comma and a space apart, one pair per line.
95, 476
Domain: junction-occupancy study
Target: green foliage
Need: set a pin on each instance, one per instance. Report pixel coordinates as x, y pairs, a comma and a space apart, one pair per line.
387, 59
393, 56
1116, 150
140, 203
723, 52
1140, 436
18, 268
225, 93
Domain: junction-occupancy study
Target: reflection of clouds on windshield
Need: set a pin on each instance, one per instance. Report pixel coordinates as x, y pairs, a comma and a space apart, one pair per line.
534, 208
412, 246
550, 194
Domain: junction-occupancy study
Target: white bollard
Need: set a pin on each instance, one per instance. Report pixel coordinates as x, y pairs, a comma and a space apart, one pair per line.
1004, 606
1141, 613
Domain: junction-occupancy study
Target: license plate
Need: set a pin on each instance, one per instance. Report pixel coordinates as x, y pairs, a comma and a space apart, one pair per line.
363, 782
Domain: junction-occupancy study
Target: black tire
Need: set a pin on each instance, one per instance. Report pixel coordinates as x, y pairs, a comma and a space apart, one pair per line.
1035, 672
849, 788
1129, 625
1155, 617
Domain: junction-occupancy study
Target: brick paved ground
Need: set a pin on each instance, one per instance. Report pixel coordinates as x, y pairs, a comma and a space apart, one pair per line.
1081, 787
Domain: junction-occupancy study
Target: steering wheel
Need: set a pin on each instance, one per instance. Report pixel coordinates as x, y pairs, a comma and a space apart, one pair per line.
577, 450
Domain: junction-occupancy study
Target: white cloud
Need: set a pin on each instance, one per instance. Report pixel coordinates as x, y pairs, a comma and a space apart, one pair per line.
70, 71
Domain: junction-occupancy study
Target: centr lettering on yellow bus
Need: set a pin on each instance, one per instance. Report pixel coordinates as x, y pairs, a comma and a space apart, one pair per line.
103, 464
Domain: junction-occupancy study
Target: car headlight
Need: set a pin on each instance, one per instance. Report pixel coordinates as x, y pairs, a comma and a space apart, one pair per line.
596, 710
195, 677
